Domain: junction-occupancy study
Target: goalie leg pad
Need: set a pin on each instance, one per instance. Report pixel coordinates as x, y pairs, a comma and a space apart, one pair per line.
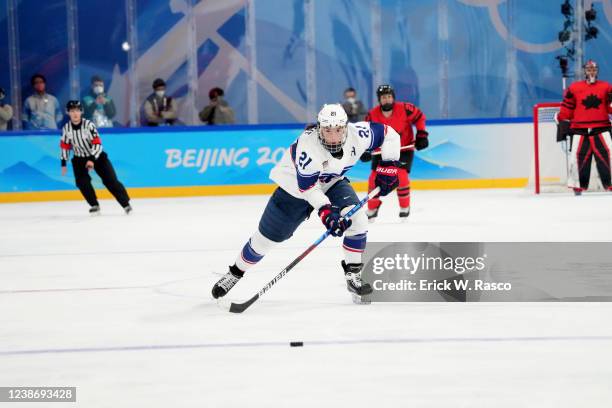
602, 145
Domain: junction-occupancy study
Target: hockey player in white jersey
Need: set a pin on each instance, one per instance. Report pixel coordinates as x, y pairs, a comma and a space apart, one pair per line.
311, 176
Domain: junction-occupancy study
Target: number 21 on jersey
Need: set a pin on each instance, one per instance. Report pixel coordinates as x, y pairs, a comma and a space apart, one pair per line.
304, 160
362, 131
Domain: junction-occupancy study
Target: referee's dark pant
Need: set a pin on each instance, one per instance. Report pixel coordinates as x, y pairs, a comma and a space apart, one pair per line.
105, 170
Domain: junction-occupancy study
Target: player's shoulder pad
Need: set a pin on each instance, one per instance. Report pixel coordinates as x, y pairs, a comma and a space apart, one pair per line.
357, 125
309, 142
308, 135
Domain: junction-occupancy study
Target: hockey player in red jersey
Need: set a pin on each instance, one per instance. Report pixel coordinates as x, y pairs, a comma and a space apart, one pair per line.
401, 116
584, 116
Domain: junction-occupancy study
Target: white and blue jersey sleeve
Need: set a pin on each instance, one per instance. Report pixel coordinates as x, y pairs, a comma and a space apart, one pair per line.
298, 171
375, 136
308, 163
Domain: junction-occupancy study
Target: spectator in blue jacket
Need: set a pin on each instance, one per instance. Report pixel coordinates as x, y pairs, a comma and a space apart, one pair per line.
98, 105
41, 110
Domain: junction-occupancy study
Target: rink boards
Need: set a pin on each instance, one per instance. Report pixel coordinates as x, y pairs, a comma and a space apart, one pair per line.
189, 161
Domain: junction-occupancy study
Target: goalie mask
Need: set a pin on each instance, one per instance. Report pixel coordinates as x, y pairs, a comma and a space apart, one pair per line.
331, 127
590, 71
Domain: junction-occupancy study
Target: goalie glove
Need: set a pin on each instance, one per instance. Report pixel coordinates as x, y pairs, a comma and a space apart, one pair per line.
563, 130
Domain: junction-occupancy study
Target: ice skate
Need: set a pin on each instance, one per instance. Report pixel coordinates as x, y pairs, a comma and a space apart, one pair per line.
404, 213
94, 210
127, 209
354, 284
372, 214
227, 282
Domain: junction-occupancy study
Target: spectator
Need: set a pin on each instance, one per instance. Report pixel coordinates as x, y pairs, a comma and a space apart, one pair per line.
41, 110
159, 108
217, 112
6, 111
353, 107
98, 106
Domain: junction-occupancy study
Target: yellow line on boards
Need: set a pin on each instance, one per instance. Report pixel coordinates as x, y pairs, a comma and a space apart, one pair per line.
247, 189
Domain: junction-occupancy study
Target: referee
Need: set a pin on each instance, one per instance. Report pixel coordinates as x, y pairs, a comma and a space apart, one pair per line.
81, 136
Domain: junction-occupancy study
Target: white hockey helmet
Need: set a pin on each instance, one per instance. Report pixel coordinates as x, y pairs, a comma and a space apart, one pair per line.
332, 116
590, 71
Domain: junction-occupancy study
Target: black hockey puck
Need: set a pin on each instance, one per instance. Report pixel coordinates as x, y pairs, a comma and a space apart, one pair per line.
296, 344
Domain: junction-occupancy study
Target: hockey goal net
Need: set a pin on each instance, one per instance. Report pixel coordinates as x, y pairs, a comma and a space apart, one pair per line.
551, 159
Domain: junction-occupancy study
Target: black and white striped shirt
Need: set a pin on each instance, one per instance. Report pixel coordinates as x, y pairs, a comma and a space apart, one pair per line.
83, 139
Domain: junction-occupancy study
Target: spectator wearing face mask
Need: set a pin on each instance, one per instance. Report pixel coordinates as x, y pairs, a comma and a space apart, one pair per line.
6, 111
41, 110
217, 112
353, 107
98, 106
159, 108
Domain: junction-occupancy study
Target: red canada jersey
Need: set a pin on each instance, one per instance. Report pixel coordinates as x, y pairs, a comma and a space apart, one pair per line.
587, 105
401, 120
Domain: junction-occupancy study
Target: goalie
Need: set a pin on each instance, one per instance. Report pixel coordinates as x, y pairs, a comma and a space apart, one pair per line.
584, 117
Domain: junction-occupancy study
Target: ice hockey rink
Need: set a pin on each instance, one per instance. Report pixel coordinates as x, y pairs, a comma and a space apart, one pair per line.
119, 306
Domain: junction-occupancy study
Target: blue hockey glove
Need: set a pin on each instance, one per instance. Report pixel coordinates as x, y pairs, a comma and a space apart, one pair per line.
386, 176
333, 221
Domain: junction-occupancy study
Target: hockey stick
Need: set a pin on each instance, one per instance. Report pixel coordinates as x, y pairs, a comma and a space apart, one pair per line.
408, 147
241, 307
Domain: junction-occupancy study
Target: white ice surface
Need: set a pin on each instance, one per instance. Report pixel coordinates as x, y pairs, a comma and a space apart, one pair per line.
119, 307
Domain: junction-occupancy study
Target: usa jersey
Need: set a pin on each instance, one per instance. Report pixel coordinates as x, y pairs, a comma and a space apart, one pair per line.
307, 170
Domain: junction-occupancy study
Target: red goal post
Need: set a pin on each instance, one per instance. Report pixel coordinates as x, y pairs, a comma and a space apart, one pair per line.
551, 159
543, 127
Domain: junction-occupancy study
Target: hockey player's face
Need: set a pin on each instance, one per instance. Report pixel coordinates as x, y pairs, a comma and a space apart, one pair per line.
75, 115
333, 135
386, 99
590, 72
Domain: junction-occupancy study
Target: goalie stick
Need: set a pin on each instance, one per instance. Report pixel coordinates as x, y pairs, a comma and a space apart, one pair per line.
241, 307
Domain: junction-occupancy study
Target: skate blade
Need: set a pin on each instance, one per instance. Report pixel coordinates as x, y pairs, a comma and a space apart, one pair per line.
361, 300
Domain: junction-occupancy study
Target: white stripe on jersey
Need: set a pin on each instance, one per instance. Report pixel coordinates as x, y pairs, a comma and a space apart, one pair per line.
81, 140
